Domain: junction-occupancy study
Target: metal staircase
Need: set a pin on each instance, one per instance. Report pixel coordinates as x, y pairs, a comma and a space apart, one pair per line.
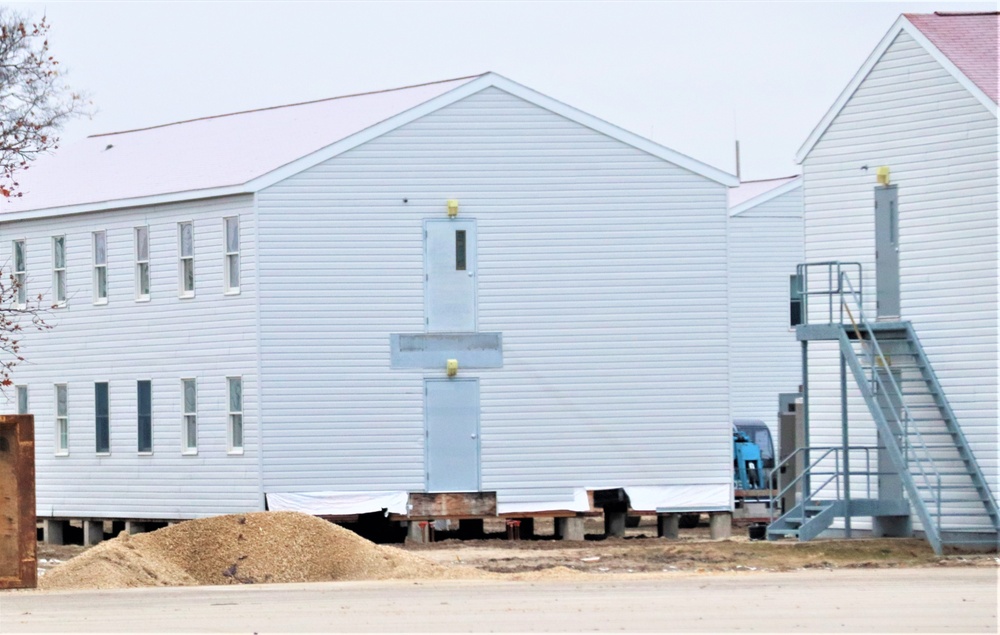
942, 481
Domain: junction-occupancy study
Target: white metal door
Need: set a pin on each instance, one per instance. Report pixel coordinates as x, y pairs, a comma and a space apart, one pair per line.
450, 272
451, 411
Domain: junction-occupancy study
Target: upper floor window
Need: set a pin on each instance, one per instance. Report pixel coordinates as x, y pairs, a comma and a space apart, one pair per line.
21, 272
62, 419
185, 252
232, 265
100, 241
59, 270
22, 400
142, 263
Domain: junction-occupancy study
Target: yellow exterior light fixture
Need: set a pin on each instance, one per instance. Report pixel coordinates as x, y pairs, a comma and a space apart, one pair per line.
452, 367
882, 174
452, 208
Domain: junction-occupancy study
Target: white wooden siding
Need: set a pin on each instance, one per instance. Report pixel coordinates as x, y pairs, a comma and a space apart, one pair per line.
941, 145
765, 245
208, 338
603, 267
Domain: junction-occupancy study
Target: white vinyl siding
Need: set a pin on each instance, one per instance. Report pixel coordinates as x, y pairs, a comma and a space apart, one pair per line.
20, 251
210, 337
100, 257
765, 245
941, 145
142, 263
59, 271
185, 260
603, 267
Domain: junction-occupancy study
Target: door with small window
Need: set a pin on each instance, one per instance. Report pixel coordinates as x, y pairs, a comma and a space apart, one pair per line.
450, 275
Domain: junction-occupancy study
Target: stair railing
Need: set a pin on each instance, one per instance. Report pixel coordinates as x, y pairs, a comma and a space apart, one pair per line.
809, 497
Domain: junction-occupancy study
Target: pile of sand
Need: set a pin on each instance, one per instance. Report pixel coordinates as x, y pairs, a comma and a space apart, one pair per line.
252, 548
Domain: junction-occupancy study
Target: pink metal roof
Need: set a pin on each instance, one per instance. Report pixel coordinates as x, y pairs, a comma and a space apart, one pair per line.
752, 189
210, 152
969, 40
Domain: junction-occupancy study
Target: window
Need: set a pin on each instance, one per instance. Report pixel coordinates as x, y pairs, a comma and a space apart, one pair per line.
21, 272
235, 414
62, 420
142, 263
189, 390
185, 248
145, 410
59, 270
100, 268
102, 428
232, 273
460, 250
22, 400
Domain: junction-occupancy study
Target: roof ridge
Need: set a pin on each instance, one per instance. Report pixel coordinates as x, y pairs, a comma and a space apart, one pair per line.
301, 103
948, 14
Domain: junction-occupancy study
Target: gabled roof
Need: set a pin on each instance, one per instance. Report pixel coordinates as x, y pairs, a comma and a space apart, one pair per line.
750, 194
965, 44
246, 151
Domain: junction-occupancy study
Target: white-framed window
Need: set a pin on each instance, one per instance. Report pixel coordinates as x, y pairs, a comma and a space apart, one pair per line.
20, 250
62, 420
102, 418
22, 400
185, 255
144, 408
231, 229
189, 422
59, 270
235, 391
142, 263
100, 252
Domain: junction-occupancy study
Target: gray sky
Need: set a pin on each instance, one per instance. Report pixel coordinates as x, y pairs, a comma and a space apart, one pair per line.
691, 76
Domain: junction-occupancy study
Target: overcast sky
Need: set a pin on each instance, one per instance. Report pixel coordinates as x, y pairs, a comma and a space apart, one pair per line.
691, 76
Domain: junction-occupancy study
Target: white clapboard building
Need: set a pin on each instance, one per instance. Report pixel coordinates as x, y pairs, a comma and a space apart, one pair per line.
900, 177
261, 309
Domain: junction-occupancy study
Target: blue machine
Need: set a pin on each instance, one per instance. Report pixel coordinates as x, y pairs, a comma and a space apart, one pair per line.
748, 467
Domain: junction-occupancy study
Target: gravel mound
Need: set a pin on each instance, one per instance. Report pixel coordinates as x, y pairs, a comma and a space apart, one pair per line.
260, 547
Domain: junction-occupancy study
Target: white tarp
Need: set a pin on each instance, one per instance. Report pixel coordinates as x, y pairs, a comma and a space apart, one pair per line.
338, 503
578, 503
704, 498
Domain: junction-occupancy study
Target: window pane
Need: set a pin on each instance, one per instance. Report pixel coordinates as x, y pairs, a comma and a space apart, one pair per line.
19, 255
142, 243
235, 394
59, 252
63, 434
145, 410
191, 431
144, 278
187, 240
100, 248
188, 274
234, 271
22, 292
22, 400
60, 401
232, 235
460, 250
102, 283
101, 417
236, 423
60, 286
190, 396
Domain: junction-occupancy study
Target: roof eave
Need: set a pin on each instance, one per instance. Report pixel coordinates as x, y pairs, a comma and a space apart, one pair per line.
769, 195
901, 24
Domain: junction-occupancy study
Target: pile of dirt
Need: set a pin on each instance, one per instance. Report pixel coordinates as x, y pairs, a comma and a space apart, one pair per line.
252, 548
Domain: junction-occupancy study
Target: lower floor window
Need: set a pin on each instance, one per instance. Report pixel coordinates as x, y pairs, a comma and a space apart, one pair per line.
62, 419
145, 420
235, 414
189, 389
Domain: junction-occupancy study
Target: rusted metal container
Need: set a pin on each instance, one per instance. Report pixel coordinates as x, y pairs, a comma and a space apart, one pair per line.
18, 554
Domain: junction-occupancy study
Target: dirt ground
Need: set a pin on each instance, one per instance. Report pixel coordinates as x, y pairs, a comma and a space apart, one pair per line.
641, 552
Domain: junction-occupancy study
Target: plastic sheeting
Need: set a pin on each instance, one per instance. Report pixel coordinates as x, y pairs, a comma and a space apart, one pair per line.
338, 503
667, 498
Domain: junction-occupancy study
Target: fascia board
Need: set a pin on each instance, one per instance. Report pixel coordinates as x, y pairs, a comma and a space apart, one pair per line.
142, 201
901, 24
760, 199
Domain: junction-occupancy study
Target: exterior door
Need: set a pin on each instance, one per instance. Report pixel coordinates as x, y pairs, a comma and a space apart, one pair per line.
450, 275
451, 411
887, 252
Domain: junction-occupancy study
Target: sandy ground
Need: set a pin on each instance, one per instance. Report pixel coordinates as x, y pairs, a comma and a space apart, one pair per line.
905, 600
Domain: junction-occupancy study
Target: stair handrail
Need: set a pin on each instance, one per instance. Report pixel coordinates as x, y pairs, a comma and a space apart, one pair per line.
809, 470
875, 356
